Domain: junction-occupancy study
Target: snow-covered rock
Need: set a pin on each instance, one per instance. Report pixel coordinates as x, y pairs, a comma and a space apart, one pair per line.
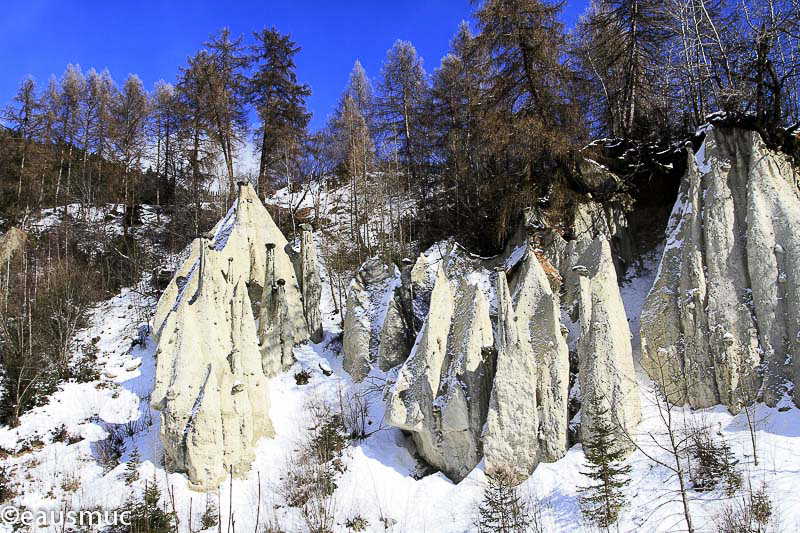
310, 283
724, 312
442, 391
511, 440
605, 356
368, 299
537, 306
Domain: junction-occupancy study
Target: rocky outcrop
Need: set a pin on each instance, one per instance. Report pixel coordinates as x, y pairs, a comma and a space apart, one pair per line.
240, 239
211, 374
10, 243
605, 357
310, 282
210, 387
460, 362
722, 321
368, 299
396, 335
442, 391
537, 307
275, 335
511, 440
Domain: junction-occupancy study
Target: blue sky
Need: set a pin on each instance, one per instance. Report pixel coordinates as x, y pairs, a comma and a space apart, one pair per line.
153, 38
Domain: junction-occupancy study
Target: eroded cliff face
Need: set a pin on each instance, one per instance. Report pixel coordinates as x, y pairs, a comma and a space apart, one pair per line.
489, 374
722, 321
605, 357
368, 300
212, 365
511, 441
210, 387
537, 309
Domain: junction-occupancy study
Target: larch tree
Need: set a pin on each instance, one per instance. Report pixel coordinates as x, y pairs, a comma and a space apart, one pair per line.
130, 112
50, 105
165, 126
457, 90
529, 123
105, 92
72, 88
279, 100
223, 76
23, 116
194, 130
623, 46
400, 105
355, 147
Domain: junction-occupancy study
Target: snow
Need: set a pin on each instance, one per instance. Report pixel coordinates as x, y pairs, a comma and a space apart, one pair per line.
700, 156
383, 481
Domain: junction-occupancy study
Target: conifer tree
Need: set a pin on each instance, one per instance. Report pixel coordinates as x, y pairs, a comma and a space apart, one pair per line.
279, 100
603, 499
147, 514
712, 462
502, 510
132, 468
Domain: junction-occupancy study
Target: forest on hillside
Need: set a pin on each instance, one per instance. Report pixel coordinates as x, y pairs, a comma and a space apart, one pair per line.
502, 123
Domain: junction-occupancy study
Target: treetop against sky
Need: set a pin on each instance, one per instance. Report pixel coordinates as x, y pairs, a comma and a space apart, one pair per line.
152, 38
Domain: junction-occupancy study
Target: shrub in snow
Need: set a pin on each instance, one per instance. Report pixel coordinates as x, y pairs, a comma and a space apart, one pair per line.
712, 462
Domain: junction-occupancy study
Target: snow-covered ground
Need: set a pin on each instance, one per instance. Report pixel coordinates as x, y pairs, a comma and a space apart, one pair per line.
382, 482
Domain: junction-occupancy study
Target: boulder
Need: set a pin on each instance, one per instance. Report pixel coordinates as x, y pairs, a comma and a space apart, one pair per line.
724, 312
511, 439
605, 356
368, 300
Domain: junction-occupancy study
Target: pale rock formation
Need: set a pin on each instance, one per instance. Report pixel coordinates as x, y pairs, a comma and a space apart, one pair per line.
537, 306
442, 391
11, 242
605, 367
310, 283
511, 439
275, 335
396, 335
368, 299
240, 238
211, 378
725, 307
418, 379
209, 384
